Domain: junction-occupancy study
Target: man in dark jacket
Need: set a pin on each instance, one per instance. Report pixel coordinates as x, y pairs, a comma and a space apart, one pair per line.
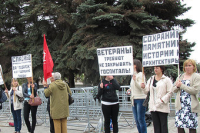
3, 97
48, 109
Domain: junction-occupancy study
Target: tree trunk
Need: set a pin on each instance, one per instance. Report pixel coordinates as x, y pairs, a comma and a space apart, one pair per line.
71, 79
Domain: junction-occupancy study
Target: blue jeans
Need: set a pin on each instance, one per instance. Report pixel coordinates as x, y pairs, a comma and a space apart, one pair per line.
17, 118
139, 115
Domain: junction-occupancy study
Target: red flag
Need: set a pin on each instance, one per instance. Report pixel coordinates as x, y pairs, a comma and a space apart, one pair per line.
47, 61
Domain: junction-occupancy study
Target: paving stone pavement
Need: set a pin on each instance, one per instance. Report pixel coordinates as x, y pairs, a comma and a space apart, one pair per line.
45, 128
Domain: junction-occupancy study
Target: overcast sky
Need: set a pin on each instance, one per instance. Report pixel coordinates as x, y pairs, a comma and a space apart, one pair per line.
192, 34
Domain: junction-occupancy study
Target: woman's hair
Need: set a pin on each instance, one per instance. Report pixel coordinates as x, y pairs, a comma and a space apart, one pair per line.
138, 65
162, 68
190, 61
56, 75
14, 79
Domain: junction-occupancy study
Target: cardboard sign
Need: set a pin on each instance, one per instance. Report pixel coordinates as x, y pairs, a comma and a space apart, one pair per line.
115, 60
161, 49
22, 66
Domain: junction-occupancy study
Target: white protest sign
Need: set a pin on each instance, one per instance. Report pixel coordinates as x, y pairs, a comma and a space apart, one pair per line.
1, 76
161, 49
115, 60
22, 66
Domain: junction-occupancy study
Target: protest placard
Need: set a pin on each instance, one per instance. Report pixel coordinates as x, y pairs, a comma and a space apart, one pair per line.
22, 66
1, 76
115, 60
161, 49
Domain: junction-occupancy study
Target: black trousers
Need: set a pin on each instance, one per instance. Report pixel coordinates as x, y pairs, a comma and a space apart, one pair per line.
160, 122
51, 120
27, 109
110, 111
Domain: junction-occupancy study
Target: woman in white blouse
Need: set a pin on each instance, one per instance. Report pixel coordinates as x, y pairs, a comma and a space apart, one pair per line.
15, 104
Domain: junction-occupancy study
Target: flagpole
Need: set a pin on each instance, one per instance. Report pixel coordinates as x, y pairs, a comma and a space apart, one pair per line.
32, 80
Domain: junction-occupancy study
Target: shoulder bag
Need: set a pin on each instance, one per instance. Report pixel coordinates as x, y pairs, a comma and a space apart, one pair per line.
21, 99
146, 101
37, 101
71, 99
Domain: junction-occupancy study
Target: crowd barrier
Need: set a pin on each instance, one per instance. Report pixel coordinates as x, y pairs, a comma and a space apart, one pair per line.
85, 112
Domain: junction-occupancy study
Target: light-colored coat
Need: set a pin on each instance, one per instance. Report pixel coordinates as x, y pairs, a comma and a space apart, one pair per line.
16, 104
163, 91
59, 104
136, 90
193, 90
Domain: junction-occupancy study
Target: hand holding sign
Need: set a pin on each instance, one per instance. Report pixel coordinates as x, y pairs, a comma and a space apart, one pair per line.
142, 85
31, 96
178, 84
32, 86
44, 83
134, 77
101, 85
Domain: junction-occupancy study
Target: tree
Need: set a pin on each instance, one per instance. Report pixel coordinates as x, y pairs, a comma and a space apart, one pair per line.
36, 18
75, 29
11, 30
120, 23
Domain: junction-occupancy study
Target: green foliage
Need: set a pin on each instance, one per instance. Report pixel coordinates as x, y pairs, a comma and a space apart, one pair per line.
75, 29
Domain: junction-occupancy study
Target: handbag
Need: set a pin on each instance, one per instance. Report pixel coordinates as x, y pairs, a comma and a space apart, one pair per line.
21, 99
37, 101
146, 101
70, 98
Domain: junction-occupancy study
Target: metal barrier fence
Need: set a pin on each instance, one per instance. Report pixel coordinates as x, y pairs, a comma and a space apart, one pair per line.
84, 112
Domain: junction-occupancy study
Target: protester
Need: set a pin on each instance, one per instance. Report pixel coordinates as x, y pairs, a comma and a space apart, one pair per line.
160, 88
48, 109
187, 104
138, 97
3, 97
59, 104
27, 92
109, 100
14, 103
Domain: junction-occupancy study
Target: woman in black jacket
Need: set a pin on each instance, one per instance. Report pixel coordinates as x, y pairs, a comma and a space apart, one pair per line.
27, 93
109, 100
